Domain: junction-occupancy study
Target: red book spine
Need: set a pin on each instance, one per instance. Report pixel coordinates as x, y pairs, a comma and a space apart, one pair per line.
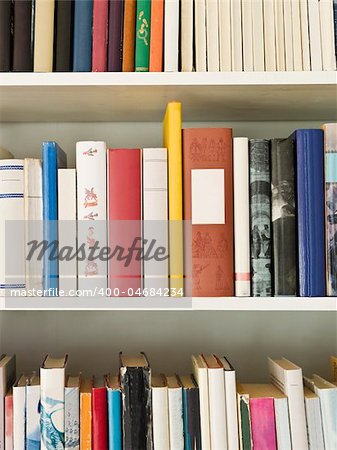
124, 204
99, 419
100, 36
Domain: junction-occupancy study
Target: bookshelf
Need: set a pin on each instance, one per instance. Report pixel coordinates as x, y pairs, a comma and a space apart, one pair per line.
127, 110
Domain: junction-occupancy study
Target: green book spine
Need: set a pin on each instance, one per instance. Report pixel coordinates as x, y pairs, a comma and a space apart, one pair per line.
246, 435
143, 29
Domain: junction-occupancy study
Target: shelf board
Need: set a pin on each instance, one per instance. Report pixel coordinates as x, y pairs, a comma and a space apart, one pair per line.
141, 97
169, 304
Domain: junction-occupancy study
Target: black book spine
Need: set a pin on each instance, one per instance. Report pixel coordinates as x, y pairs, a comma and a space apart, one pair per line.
63, 54
284, 216
136, 403
260, 217
22, 36
5, 35
192, 417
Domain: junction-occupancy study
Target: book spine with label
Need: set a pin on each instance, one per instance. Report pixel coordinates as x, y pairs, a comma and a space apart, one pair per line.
82, 50
305, 35
212, 39
187, 38
260, 217
200, 35
115, 419
129, 30
327, 34
175, 413
9, 445
22, 36
143, 36
236, 36
19, 417
63, 51
171, 41
241, 216
5, 35
269, 35
315, 35
86, 415
115, 43
100, 35
7, 379
288, 35
263, 423
247, 36
282, 424
296, 34
44, 35
284, 216
258, 38
99, 419
11, 208
33, 435
192, 434
279, 35
72, 418
91, 211
160, 418
67, 230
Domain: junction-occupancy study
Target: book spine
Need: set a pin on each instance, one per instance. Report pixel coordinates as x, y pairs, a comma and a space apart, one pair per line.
115, 44
143, 36
315, 35
19, 417
171, 41
284, 216
129, 33
99, 419
201, 377
314, 422
241, 217
100, 35
200, 34
187, 37
258, 39
72, 418
157, 36
305, 35
33, 435
63, 53
295, 394
22, 36
191, 416
160, 418
231, 410
279, 32
9, 445
52, 401
236, 36
85, 421
82, 49
155, 215
282, 424
247, 36
245, 431
44, 35
212, 39
288, 35
67, 230
260, 217
335, 25
5, 35
269, 35
327, 34
296, 34
175, 411
115, 419
91, 211
217, 408
263, 423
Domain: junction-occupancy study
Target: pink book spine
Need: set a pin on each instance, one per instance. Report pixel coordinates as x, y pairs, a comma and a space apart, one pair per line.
263, 423
100, 36
9, 422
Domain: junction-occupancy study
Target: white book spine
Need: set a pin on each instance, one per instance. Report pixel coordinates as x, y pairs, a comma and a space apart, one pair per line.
236, 36
225, 35
231, 410
315, 35
279, 31
91, 211
12, 208
258, 38
160, 419
187, 37
288, 35
247, 32
175, 408
297, 36
201, 376
241, 217
327, 34
314, 423
328, 402
217, 408
305, 35
171, 31
212, 26
19, 417
72, 418
269, 35
52, 406
200, 35
282, 424
67, 231
155, 215
33, 435
33, 220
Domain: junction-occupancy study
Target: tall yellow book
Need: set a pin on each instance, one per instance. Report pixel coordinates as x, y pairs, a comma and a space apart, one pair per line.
173, 143
44, 35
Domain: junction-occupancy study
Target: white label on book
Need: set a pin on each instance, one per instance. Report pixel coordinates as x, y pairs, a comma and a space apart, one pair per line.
208, 196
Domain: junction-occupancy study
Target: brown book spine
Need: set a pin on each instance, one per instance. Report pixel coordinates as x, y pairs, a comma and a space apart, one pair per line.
129, 36
209, 247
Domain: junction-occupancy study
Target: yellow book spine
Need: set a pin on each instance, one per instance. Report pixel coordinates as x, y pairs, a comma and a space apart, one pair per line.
173, 143
44, 35
85, 421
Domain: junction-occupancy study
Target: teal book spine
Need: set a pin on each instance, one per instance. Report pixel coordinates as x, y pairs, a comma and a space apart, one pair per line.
143, 30
115, 419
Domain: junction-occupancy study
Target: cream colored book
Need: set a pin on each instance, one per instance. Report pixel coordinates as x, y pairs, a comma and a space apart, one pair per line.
44, 35
288, 35
200, 372
305, 35
171, 41
212, 24
187, 37
247, 36
315, 35
225, 35
258, 38
269, 35
160, 416
200, 35
327, 34
236, 34
279, 35
175, 412
296, 33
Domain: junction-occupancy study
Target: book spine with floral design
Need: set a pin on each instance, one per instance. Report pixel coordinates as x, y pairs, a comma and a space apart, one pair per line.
143, 30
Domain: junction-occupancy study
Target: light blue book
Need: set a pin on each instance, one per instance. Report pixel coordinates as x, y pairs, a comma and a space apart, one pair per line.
72, 414
115, 413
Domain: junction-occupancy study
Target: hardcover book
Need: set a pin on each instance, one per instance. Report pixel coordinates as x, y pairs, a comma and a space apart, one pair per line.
72, 413
160, 412
115, 43
260, 217
129, 32
114, 412
143, 36
191, 411
208, 205
33, 435
100, 35
157, 36
19, 413
284, 216
63, 52
135, 376
7, 379
22, 36
82, 50
86, 415
44, 35
99, 415
5, 35
175, 412
200, 372
9, 445
171, 41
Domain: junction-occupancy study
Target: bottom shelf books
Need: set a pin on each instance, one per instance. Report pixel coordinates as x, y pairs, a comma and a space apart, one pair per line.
136, 410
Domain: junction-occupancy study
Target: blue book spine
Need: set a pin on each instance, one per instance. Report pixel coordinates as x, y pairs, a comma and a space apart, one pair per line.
53, 158
311, 212
82, 50
115, 419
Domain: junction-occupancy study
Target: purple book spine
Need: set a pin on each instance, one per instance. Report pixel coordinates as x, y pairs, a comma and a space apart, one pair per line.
115, 45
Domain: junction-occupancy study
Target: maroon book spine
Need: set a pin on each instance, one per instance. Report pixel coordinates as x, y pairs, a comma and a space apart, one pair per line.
115, 45
100, 36
99, 419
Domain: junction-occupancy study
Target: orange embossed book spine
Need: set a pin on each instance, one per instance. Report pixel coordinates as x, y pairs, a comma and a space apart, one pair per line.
129, 36
208, 204
157, 36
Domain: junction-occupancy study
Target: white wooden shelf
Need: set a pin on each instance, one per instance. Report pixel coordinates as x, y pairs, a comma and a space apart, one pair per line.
140, 97
171, 304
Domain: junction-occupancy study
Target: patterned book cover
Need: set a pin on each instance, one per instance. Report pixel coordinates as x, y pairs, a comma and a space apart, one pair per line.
33, 435
72, 414
9, 445
330, 147
260, 217
143, 31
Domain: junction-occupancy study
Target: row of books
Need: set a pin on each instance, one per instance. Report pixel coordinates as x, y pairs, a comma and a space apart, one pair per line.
227, 216
137, 410
171, 35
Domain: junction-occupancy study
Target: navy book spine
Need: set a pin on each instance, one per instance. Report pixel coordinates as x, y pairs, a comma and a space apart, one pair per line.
82, 48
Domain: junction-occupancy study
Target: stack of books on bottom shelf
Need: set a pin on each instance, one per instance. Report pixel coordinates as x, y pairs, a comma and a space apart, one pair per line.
137, 410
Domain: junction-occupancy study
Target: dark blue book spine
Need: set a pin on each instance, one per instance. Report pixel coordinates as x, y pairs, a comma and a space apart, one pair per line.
82, 51
311, 212
52, 158
335, 24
